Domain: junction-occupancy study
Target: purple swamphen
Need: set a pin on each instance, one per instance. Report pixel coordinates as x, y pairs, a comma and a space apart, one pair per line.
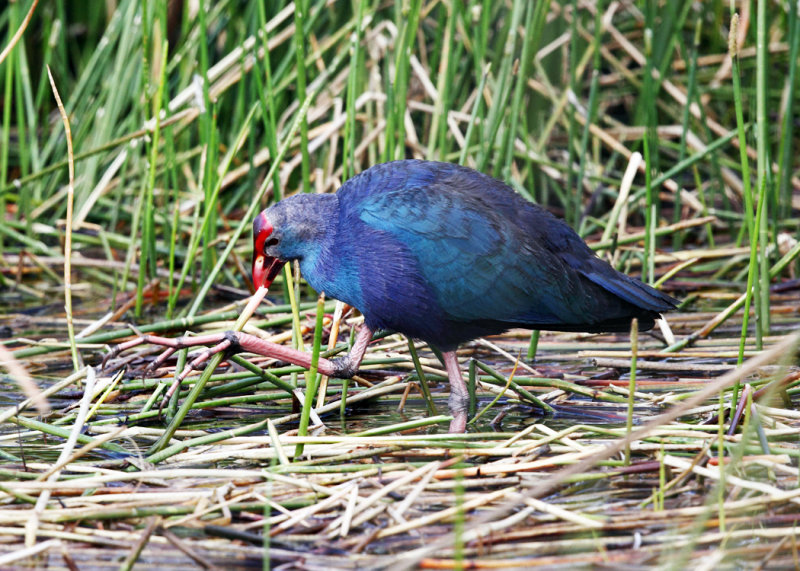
438, 252
444, 254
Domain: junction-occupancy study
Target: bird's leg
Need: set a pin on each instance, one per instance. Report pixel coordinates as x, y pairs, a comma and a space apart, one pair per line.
459, 397
236, 342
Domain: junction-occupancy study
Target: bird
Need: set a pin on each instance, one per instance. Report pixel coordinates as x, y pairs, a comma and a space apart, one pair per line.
445, 254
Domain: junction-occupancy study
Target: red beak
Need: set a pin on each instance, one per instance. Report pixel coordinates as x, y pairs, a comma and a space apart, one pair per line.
265, 268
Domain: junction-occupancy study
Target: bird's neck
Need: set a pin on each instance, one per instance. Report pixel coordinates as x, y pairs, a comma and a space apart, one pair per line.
319, 218
332, 265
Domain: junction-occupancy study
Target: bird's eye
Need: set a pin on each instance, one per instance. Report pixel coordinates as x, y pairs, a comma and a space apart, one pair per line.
271, 242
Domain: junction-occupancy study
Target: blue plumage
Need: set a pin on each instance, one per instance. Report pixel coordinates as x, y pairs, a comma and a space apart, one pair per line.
446, 254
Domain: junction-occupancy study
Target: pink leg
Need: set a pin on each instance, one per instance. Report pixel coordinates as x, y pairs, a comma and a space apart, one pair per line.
236, 341
459, 396
345, 367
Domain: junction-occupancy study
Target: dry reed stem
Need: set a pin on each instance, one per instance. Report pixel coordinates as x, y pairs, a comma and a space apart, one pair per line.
41, 503
26, 384
18, 34
481, 527
68, 226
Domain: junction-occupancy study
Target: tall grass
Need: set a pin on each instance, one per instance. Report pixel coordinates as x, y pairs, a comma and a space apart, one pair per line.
178, 145
417, 65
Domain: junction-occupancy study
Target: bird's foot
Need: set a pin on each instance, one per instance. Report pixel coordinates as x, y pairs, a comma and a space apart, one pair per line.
227, 342
344, 367
232, 342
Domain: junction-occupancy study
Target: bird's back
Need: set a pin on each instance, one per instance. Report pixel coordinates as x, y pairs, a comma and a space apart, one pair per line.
448, 254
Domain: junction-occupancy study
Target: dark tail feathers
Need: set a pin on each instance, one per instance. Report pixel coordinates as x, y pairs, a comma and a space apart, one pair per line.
628, 289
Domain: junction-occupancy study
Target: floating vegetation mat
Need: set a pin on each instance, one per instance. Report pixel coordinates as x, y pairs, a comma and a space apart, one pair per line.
93, 483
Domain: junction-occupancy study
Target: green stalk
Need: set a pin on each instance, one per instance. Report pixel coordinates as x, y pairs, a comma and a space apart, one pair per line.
472, 387
531, 37
395, 143
691, 82
349, 146
207, 135
459, 522
266, 94
292, 288
751, 277
649, 93
300, 9
748, 197
764, 179
632, 385
147, 255
293, 293
26, 124
648, 269
346, 382
437, 135
533, 345
516, 385
721, 459
265, 530
423, 383
501, 88
263, 373
574, 209
172, 295
5, 137
476, 109
312, 382
787, 129
592, 108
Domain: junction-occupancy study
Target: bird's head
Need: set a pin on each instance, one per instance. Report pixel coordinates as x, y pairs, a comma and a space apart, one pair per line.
292, 229
266, 263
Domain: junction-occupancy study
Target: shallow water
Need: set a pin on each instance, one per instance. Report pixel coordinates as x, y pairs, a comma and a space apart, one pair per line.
557, 358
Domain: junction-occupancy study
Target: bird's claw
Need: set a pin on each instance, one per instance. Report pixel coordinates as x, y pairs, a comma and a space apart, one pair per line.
112, 352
